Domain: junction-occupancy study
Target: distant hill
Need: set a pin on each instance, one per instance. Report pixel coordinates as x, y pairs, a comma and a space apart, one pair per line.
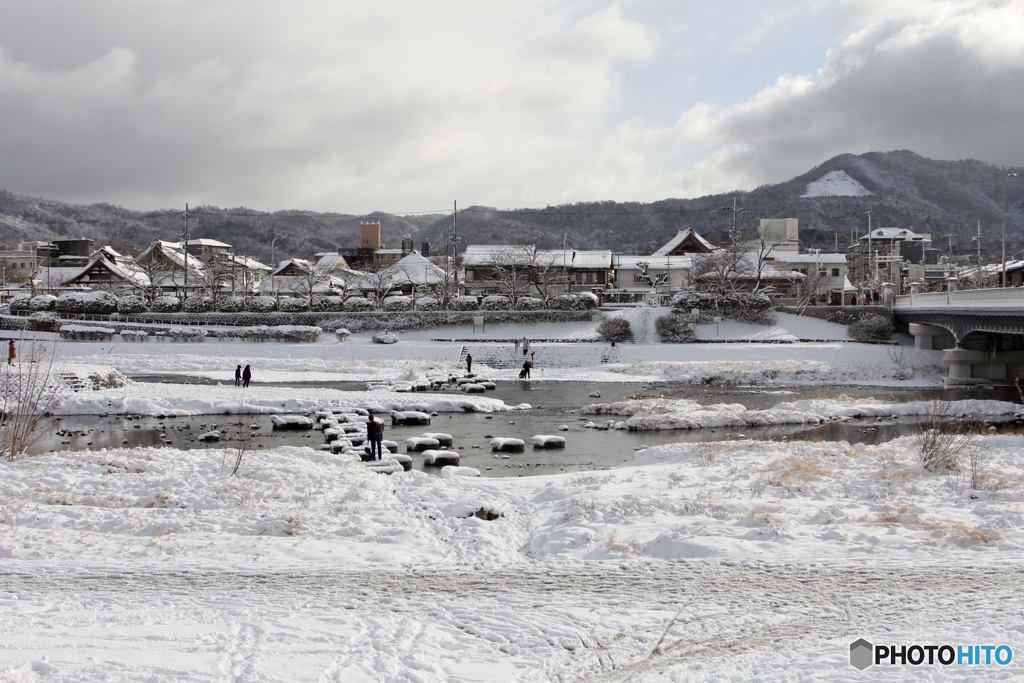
831, 201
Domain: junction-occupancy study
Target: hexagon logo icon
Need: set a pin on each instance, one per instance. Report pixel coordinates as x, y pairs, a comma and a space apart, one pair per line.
861, 653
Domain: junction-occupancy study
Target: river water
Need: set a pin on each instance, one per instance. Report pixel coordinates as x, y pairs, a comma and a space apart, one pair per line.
555, 405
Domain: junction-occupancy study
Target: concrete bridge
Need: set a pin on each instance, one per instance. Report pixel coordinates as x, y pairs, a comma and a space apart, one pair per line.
981, 331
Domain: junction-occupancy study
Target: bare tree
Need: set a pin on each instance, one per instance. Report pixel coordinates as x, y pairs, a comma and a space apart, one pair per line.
721, 270
28, 394
809, 287
309, 283
519, 270
214, 278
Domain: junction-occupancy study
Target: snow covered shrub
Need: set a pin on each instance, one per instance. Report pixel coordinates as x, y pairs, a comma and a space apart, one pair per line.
21, 303
131, 304
294, 304
303, 334
166, 304
674, 329
565, 302
44, 321
134, 335
385, 337
96, 303
231, 304
495, 302
262, 304
188, 334
85, 333
342, 334
614, 329
396, 303
358, 305
328, 304
587, 301
871, 328
529, 303
42, 302
754, 317
703, 301
427, 303
197, 304
841, 317
464, 303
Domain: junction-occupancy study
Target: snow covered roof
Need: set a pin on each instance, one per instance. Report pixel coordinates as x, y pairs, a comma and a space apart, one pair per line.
892, 234
688, 240
205, 242
789, 257
489, 254
632, 262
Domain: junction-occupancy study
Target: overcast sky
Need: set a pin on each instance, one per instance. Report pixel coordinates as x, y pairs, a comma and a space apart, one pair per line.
408, 105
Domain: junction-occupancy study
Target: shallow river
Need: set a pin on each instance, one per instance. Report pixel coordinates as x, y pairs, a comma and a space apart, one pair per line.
555, 404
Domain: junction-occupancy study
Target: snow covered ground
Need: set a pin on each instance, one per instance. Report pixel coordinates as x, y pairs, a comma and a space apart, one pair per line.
731, 560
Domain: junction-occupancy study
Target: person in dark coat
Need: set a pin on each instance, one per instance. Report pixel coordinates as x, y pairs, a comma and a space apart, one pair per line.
12, 352
238, 376
469, 363
246, 376
525, 374
375, 435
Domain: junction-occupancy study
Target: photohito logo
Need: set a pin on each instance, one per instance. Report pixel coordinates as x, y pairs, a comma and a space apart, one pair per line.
863, 654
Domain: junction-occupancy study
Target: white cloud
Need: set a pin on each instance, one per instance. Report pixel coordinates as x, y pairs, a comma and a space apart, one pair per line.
359, 105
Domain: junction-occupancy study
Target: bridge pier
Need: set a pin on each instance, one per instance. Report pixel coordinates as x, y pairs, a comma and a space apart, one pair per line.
931, 337
966, 364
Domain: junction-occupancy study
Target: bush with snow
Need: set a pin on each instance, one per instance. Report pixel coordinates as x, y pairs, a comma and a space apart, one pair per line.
166, 304
495, 302
21, 303
396, 303
427, 303
587, 301
385, 338
134, 335
464, 303
42, 302
564, 302
293, 304
85, 333
529, 303
871, 328
359, 304
262, 304
674, 329
197, 303
95, 303
131, 304
328, 304
614, 329
186, 334
342, 334
231, 304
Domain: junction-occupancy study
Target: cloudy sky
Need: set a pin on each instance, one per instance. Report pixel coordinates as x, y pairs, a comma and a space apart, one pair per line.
408, 105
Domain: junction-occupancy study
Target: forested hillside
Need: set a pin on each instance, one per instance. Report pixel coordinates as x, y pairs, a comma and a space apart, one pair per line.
906, 190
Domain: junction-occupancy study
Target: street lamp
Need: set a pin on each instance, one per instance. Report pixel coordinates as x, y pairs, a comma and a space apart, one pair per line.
1005, 175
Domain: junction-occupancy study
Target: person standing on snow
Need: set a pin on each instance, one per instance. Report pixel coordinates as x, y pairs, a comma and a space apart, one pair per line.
375, 435
469, 364
526, 346
246, 376
238, 376
12, 352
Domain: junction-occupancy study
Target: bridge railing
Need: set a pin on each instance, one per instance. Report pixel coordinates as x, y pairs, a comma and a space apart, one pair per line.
963, 296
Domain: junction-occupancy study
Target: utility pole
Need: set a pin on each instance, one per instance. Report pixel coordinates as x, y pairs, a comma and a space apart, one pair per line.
1005, 175
453, 244
868, 264
978, 278
184, 245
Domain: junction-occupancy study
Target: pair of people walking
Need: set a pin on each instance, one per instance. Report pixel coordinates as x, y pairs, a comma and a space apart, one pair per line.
243, 377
